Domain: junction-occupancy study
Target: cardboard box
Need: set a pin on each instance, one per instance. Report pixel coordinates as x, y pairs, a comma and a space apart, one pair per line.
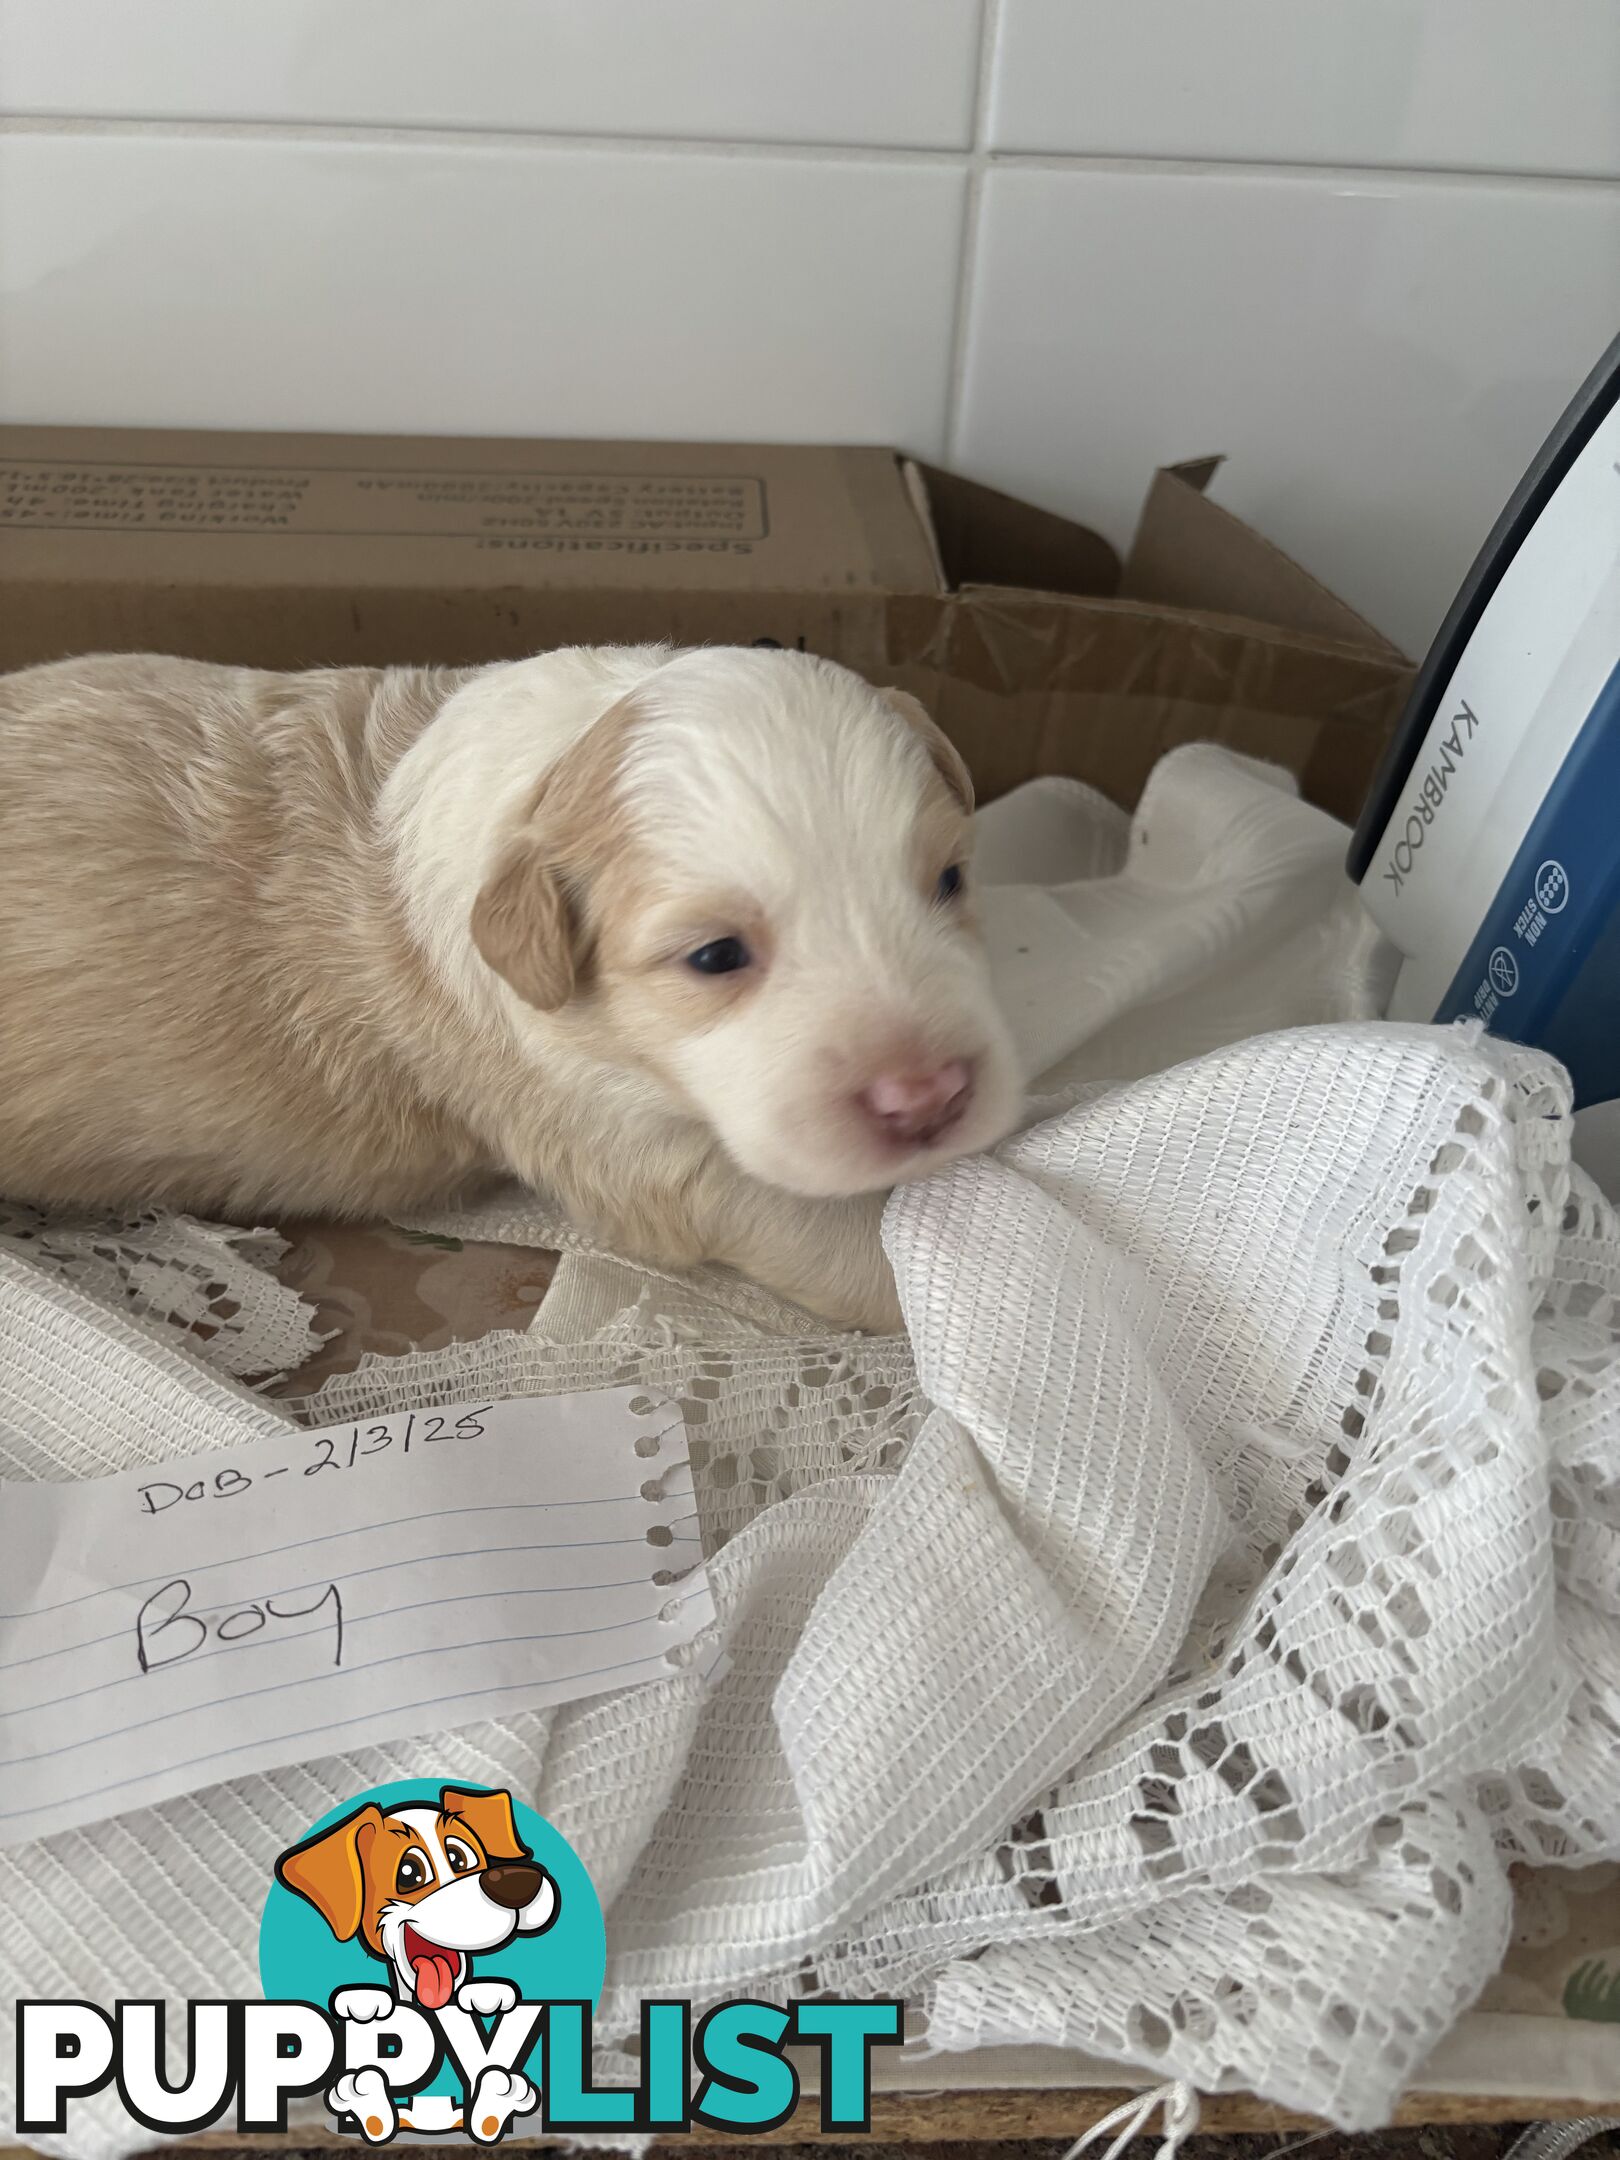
1037, 651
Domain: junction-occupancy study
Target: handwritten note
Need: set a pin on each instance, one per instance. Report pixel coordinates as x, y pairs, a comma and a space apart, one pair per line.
165, 1628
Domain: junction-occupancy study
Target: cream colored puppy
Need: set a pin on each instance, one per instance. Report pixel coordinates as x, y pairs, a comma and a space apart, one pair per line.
684, 939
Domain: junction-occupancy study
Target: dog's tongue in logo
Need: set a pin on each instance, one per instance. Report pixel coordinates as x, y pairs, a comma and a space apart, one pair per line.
434, 1971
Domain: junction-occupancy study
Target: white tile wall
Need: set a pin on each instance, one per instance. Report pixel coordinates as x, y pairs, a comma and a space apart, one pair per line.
1366, 247
266, 281
836, 71
1378, 357
1494, 85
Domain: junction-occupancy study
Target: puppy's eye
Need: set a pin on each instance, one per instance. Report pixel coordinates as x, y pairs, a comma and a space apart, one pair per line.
461, 1858
412, 1872
723, 956
950, 882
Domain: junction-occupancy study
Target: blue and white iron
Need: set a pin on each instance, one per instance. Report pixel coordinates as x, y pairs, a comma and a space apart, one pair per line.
1489, 850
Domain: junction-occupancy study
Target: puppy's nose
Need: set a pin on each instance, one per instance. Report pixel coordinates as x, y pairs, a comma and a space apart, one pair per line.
513, 1883
914, 1104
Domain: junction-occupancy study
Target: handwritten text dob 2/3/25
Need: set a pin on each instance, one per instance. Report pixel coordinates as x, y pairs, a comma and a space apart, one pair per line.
329, 1452
169, 1628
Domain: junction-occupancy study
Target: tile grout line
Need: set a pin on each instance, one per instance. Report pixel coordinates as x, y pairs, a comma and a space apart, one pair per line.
396, 134
1146, 164
967, 261
976, 160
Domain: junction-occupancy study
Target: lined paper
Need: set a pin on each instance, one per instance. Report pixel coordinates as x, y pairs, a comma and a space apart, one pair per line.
163, 1629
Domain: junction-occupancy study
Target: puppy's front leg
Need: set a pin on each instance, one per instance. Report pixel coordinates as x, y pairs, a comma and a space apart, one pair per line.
678, 1204
826, 1255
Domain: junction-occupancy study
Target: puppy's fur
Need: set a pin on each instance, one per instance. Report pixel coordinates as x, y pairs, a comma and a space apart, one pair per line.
357, 941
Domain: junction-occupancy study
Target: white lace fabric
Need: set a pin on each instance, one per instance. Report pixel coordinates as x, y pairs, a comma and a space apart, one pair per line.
214, 1286
1162, 1654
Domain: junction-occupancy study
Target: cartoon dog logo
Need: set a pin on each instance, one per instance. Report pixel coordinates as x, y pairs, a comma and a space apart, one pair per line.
426, 1889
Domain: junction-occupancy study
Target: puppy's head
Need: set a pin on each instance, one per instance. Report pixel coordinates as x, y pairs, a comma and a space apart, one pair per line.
750, 880
425, 1887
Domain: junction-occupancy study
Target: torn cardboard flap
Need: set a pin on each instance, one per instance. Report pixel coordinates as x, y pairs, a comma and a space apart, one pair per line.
1017, 626
1190, 553
986, 538
1207, 633
1100, 690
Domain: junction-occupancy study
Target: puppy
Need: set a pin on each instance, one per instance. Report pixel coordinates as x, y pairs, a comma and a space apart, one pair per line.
684, 938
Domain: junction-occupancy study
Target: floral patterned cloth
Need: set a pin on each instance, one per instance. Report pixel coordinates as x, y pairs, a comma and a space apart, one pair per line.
1565, 1956
378, 1290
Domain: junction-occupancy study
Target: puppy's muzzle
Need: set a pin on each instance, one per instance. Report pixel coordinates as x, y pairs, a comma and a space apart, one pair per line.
512, 1883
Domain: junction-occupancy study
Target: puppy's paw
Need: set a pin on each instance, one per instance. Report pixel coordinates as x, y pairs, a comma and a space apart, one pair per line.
486, 1998
364, 2095
362, 2005
496, 2098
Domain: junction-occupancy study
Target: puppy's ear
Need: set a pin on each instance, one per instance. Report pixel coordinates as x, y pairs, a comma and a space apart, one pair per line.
524, 924
946, 758
527, 922
329, 1870
488, 1815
